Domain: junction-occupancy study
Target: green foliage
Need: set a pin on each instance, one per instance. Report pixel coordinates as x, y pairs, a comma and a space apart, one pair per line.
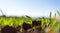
16, 21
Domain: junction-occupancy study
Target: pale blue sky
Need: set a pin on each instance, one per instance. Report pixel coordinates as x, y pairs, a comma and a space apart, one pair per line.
29, 7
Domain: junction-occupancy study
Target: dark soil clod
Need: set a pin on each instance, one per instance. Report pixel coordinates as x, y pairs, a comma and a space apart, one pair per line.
8, 29
26, 26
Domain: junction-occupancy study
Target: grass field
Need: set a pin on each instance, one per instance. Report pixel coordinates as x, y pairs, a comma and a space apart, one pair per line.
18, 21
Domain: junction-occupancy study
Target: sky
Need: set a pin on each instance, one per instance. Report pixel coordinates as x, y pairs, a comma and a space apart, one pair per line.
34, 8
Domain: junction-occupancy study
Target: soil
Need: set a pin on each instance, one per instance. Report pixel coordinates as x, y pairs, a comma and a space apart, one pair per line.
8, 29
27, 28
51, 31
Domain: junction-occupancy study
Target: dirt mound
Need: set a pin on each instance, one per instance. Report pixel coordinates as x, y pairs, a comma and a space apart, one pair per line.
8, 29
26, 26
